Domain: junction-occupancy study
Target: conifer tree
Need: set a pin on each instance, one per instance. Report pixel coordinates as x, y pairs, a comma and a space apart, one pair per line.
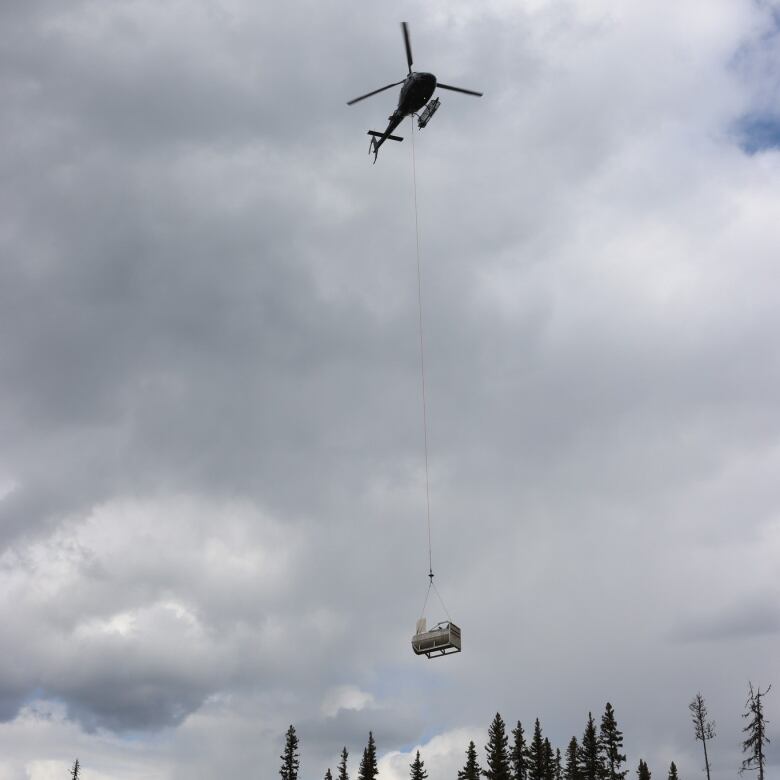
518, 755
643, 771
611, 740
417, 768
756, 731
74, 773
328, 775
549, 761
536, 755
471, 770
673, 772
590, 765
497, 753
558, 774
571, 770
368, 768
702, 727
290, 759
343, 775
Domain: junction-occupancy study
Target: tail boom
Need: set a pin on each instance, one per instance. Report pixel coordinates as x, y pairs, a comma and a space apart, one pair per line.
377, 138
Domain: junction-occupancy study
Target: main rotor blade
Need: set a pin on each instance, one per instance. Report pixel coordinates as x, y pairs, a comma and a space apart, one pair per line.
376, 91
405, 29
459, 89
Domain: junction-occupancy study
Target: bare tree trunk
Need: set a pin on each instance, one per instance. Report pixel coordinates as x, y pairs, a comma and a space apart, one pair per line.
703, 728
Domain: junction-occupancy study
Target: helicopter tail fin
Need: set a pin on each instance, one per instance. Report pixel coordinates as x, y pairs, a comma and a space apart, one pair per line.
373, 146
377, 139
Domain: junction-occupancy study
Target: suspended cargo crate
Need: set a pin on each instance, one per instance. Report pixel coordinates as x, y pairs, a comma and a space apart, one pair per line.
442, 639
425, 115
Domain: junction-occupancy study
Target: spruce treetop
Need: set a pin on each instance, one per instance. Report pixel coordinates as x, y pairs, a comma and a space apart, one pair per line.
328, 775
549, 761
590, 763
417, 768
518, 755
673, 771
643, 771
496, 751
611, 741
703, 728
471, 770
753, 746
368, 766
537, 756
571, 769
343, 775
290, 759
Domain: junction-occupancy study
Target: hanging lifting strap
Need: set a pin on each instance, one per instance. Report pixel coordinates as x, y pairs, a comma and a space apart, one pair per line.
431, 584
441, 600
422, 360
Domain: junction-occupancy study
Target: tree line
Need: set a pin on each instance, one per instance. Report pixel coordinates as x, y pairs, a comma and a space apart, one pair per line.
597, 755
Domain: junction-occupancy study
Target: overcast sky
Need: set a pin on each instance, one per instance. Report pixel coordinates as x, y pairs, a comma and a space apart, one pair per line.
212, 499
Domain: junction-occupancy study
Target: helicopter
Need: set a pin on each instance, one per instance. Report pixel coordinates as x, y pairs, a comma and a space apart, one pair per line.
415, 93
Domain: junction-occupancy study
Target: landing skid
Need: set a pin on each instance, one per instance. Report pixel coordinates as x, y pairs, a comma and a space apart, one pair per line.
440, 653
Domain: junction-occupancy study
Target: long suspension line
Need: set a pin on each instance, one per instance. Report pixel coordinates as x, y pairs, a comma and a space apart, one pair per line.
422, 367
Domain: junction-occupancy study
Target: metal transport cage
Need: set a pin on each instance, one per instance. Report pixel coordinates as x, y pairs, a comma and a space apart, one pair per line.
442, 639
425, 115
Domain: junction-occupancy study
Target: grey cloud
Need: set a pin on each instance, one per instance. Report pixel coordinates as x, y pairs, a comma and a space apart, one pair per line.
207, 301
323, 737
773, 751
756, 615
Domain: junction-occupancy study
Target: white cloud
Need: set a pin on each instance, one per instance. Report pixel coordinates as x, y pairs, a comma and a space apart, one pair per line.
443, 755
345, 697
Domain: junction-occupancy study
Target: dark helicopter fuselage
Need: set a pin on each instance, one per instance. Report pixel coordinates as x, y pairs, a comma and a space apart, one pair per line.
415, 93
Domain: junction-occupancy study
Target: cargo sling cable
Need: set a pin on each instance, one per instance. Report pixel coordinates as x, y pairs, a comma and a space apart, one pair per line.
431, 583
